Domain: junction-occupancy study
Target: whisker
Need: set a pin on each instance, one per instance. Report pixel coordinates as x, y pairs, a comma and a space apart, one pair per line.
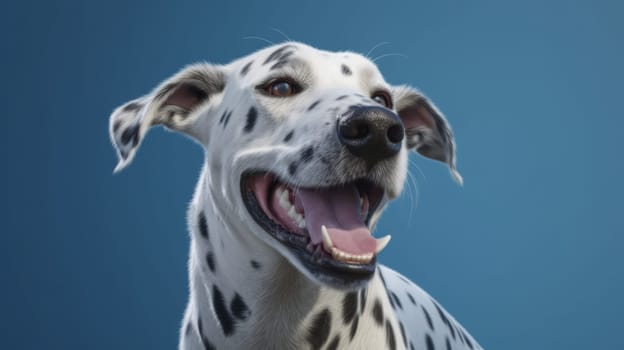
259, 38
388, 55
412, 185
376, 46
281, 33
413, 162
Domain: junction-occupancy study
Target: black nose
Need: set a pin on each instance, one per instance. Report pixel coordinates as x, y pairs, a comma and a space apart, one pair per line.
371, 133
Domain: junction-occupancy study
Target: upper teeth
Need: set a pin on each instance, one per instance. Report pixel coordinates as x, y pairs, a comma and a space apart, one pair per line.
284, 201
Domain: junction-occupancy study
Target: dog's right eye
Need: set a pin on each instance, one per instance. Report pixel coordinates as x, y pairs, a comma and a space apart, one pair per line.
281, 88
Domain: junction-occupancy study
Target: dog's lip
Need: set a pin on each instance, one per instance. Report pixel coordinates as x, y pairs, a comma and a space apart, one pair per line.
313, 256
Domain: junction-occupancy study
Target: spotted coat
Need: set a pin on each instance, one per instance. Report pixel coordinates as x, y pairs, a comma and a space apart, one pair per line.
248, 291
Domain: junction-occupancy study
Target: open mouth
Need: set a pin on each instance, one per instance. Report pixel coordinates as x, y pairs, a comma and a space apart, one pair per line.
325, 227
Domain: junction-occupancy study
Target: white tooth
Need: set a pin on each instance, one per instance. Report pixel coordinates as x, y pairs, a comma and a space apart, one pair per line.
278, 192
327, 243
283, 199
382, 243
292, 213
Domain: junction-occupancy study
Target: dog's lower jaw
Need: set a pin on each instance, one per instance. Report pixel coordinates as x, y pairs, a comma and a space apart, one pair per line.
243, 293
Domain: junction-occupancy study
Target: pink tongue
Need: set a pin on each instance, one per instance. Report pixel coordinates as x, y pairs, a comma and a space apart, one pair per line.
338, 208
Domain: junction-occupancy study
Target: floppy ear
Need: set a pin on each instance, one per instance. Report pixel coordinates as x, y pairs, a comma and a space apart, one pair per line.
172, 104
425, 127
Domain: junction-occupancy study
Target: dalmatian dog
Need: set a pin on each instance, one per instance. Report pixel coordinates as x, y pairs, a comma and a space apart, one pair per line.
303, 150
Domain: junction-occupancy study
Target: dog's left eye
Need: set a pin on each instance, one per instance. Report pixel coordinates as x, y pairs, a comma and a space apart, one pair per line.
281, 87
383, 98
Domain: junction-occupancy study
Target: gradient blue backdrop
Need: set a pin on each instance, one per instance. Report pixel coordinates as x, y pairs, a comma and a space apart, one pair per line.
527, 255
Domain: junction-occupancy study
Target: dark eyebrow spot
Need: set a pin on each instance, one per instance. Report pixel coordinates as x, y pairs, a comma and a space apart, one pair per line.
346, 70
279, 54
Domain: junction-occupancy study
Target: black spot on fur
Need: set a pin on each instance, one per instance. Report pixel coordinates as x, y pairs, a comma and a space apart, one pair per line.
225, 118
402, 329
319, 332
390, 336
428, 317
334, 343
354, 327
218, 305
289, 136
133, 106
116, 125
411, 298
210, 261
461, 336
252, 115
345, 70
207, 344
349, 306
397, 301
314, 104
131, 134
292, 168
445, 319
307, 154
378, 312
256, 265
239, 308
403, 279
342, 97
203, 225
391, 301
245, 69
468, 342
383, 280
362, 299
429, 342
448, 344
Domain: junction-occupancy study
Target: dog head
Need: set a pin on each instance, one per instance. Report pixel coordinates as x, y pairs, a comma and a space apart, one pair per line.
304, 147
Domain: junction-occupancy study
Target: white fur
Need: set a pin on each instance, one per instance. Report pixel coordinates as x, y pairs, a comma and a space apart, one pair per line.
282, 296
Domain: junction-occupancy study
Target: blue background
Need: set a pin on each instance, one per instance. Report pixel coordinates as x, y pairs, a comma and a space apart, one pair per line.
527, 255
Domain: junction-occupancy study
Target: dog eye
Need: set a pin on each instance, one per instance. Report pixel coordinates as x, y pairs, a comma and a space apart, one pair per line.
383, 98
282, 88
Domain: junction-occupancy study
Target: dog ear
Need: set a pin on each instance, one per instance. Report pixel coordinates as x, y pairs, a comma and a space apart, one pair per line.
426, 129
172, 104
